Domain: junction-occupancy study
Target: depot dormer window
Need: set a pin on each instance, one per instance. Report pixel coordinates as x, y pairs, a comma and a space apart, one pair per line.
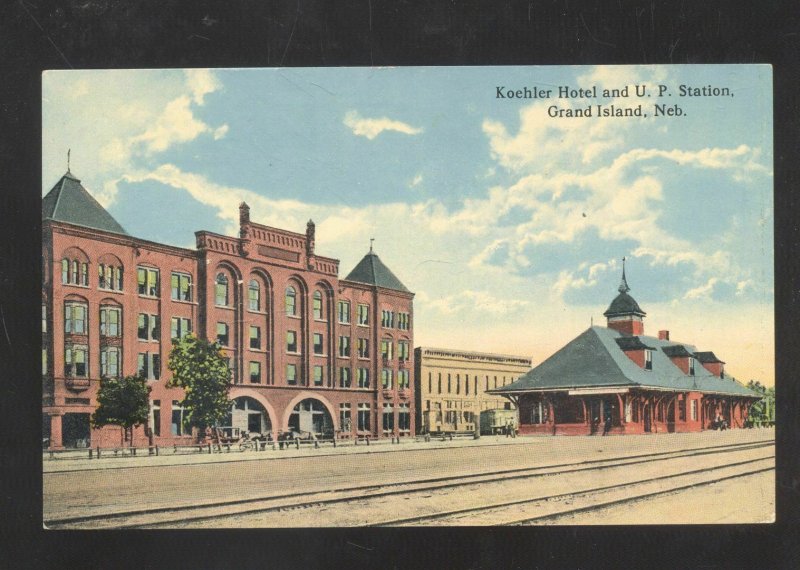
691, 366
648, 359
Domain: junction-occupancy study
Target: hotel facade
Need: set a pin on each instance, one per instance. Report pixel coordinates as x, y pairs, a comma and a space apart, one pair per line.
308, 351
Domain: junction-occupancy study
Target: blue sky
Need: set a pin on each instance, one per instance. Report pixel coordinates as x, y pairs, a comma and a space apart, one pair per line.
508, 224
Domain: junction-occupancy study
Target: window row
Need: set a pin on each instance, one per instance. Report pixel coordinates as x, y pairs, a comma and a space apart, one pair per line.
363, 418
452, 387
179, 424
388, 320
76, 360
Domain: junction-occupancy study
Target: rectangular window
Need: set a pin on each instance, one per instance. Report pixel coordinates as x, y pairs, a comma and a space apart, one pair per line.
155, 417
387, 319
75, 361
44, 318
693, 408
148, 327
691, 366
75, 318
388, 418
402, 379
291, 374
402, 351
222, 334
180, 327
344, 346
44, 361
147, 281
430, 383
363, 417
316, 306
386, 349
179, 423
648, 359
682, 410
318, 376
255, 337
344, 418
344, 312
404, 418
109, 362
403, 321
386, 379
109, 321
291, 341
255, 373
363, 348
363, 377
181, 286
318, 344
363, 314
344, 377
149, 365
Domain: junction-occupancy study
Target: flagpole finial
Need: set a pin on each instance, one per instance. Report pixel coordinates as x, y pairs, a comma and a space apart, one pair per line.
623, 286
370, 244
69, 150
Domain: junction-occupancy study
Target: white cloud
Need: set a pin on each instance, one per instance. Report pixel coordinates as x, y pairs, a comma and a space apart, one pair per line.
703, 291
201, 82
371, 128
176, 124
416, 181
471, 301
220, 132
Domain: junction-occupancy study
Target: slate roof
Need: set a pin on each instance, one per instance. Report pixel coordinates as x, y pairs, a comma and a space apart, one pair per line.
707, 357
595, 359
676, 350
372, 271
68, 201
624, 304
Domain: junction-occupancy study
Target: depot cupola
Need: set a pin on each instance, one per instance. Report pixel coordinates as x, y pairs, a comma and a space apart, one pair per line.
624, 314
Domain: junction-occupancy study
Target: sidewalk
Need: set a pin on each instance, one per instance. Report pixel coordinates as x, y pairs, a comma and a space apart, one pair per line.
167, 457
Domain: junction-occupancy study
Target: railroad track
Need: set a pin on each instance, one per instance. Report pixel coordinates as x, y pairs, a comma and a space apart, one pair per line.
187, 515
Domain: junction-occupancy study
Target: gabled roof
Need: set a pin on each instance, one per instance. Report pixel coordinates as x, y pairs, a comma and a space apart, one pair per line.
707, 357
68, 201
595, 359
676, 350
372, 271
632, 343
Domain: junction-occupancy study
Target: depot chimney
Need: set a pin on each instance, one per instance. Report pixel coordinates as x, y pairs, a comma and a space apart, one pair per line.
663, 335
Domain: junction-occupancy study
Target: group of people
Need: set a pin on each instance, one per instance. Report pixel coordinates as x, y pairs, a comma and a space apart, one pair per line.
719, 423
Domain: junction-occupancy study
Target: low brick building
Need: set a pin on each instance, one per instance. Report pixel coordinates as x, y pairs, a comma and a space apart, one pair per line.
308, 350
615, 379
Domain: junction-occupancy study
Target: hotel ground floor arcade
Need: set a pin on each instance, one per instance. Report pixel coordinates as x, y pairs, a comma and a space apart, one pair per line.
637, 410
325, 413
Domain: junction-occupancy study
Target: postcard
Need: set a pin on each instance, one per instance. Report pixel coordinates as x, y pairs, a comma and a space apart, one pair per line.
413, 296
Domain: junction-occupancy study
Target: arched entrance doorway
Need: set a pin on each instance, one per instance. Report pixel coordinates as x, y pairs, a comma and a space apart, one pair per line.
312, 416
247, 415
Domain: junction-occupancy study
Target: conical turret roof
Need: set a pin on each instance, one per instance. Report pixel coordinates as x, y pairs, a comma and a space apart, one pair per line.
68, 201
372, 271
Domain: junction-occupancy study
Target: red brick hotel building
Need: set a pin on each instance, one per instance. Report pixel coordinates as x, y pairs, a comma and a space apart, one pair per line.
308, 351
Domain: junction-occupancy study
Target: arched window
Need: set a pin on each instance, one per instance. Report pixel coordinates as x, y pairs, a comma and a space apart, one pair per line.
291, 301
65, 271
74, 278
254, 296
85, 274
221, 291
317, 305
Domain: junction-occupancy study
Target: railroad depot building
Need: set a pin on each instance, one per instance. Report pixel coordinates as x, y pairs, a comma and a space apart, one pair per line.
616, 377
451, 386
307, 350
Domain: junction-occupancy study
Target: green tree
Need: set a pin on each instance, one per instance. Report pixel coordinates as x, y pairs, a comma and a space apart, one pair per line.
763, 409
201, 369
122, 402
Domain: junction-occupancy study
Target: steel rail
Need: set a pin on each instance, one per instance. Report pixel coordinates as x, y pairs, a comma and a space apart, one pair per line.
387, 489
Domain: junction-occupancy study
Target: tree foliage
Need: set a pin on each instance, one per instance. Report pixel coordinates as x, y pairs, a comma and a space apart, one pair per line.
201, 369
122, 402
763, 409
